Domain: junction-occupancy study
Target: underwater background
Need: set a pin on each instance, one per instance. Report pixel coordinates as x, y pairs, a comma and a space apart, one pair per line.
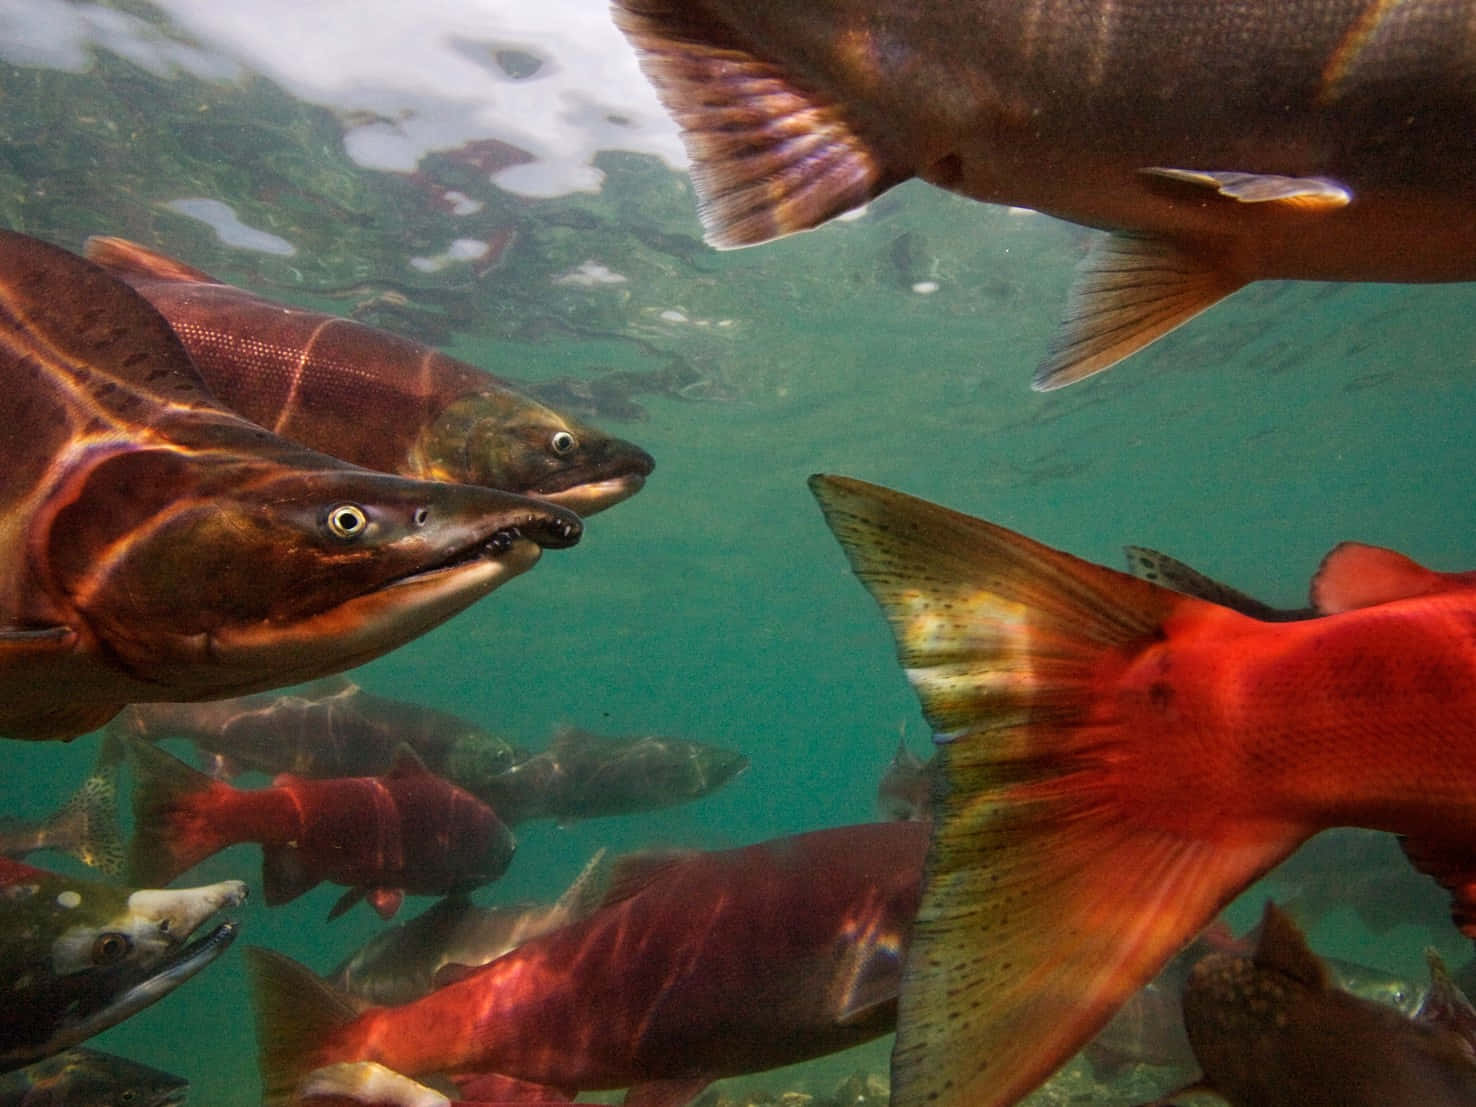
496, 179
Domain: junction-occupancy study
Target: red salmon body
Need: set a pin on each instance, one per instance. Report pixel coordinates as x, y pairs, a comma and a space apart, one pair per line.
1118, 761
699, 965
407, 831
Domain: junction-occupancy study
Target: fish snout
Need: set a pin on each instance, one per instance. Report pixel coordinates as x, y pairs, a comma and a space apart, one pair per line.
179, 911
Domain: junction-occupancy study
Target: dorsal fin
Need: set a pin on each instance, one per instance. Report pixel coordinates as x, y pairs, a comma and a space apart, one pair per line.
1283, 948
634, 873
586, 892
128, 260
1355, 575
101, 342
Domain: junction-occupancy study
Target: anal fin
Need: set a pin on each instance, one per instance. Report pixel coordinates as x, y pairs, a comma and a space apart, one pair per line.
1130, 290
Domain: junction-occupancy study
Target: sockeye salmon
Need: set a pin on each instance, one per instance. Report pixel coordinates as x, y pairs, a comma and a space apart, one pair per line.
154, 546
698, 965
84, 1077
405, 831
1118, 761
79, 956
1274, 1030
1219, 142
372, 397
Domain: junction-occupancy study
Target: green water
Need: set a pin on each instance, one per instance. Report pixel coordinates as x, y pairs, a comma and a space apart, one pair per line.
716, 605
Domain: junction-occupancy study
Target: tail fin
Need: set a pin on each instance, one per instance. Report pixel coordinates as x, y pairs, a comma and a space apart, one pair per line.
172, 829
295, 1013
1050, 898
87, 824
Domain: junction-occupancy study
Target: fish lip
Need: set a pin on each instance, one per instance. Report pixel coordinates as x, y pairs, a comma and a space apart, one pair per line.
592, 496
519, 542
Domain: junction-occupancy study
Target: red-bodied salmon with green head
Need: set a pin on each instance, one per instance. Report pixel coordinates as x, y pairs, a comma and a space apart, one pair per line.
1118, 761
697, 965
155, 546
1220, 141
381, 836
372, 397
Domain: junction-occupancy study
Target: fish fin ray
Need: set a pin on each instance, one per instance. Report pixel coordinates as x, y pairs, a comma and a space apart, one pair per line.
1050, 897
768, 158
171, 832
295, 1012
1355, 575
1130, 290
1306, 193
127, 259
635, 872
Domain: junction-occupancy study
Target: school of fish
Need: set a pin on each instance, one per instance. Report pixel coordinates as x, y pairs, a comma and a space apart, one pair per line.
212, 497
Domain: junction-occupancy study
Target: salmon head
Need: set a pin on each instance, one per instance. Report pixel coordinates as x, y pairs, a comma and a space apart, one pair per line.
158, 547
503, 439
80, 956
376, 398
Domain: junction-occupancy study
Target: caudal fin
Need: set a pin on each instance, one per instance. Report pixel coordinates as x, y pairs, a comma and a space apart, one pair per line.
295, 1014
172, 828
1051, 896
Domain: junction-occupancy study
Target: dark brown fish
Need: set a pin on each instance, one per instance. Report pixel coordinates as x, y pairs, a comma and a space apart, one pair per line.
371, 397
1221, 143
158, 547
330, 728
83, 1077
585, 776
1273, 1030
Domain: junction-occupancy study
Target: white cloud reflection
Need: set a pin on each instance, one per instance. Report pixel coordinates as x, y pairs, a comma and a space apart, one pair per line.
553, 78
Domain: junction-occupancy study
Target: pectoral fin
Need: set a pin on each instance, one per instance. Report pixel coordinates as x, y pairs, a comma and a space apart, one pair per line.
666, 1093
1130, 290
1308, 193
769, 155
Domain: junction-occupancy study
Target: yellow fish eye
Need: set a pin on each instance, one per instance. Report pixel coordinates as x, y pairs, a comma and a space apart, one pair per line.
347, 520
563, 442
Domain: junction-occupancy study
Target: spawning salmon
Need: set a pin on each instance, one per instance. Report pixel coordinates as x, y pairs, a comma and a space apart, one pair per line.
1118, 761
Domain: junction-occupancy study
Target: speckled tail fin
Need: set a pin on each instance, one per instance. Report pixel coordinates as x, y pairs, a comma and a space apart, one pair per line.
1051, 894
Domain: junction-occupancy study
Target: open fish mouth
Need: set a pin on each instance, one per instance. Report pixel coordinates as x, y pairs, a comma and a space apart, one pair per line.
517, 546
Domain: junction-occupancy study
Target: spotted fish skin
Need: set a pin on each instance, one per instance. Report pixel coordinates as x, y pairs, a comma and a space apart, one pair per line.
1218, 141
374, 398
154, 546
1272, 1030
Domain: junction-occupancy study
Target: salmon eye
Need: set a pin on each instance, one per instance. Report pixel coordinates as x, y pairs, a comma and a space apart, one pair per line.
110, 948
563, 443
422, 516
347, 520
